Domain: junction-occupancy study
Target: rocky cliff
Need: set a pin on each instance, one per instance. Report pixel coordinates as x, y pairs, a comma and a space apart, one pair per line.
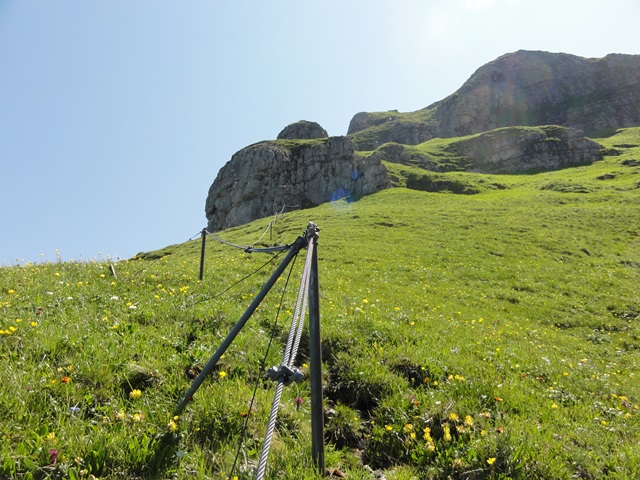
490, 121
521, 88
522, 149
262, 178
504, 150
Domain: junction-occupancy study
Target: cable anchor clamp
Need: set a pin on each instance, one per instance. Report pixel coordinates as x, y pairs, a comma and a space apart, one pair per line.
285, 374
312, 232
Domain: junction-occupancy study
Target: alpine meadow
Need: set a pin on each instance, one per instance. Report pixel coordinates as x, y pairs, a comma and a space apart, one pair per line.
493, 335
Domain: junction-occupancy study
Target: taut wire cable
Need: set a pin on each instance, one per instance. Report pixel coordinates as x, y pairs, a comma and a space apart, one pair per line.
291, 350
219, 294
262, 367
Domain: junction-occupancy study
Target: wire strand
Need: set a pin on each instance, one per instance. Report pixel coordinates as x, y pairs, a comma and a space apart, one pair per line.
289, 357
219, 294
262, 367
249, 248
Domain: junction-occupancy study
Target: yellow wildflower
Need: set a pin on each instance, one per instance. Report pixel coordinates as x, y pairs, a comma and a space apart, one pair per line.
447, 433
491, 460
133, 394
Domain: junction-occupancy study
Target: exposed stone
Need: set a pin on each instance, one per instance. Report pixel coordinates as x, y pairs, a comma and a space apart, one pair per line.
504, 150
542, 88
302, 130
522, 88
513, 150
406, 155
260, 179
491, 112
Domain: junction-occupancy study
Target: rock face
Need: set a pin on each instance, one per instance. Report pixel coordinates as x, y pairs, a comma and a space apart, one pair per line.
521, 88
302, 130
393, 127
504, 150
262, 178
513, 150
520, 112
541, 88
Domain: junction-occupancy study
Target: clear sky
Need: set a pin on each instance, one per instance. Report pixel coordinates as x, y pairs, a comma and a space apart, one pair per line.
116, 115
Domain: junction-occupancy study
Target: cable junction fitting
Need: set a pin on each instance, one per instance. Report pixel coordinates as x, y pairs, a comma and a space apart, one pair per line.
285, 374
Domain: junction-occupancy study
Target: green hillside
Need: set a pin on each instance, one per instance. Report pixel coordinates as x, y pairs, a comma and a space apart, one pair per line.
490, 335
383, 126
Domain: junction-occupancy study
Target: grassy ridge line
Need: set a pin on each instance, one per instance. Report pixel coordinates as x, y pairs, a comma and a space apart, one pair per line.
471, 336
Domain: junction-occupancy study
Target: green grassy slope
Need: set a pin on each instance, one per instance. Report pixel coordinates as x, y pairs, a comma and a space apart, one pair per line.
383, 126
493, 335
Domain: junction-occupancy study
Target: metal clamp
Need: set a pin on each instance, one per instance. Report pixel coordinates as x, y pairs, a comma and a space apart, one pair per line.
287, 374
312, 231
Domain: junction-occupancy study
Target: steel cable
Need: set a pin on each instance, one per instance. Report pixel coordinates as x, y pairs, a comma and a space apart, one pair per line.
206, 299
248, 248
262, 368
289, 356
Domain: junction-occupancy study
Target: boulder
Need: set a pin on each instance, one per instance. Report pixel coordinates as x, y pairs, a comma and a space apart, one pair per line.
302, 130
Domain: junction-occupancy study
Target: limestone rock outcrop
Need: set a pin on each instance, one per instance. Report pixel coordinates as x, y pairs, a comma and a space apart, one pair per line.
523, 88
302, 130
504, 150
262, 178
541, 88
517, 149
524, 111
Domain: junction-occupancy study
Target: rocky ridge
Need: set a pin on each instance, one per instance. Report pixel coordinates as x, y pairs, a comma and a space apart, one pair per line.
522, 88
261, 179
504, 150
559, 94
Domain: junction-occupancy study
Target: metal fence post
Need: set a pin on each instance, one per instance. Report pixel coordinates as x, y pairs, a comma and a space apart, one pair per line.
315, 367
204, 242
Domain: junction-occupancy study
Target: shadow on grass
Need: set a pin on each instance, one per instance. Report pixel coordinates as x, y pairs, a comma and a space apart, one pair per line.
164, 456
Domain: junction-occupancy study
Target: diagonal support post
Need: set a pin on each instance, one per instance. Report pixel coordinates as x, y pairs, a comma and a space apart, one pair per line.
300, 243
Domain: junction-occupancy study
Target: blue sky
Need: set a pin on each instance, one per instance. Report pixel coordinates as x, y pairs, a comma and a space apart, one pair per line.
115, 116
